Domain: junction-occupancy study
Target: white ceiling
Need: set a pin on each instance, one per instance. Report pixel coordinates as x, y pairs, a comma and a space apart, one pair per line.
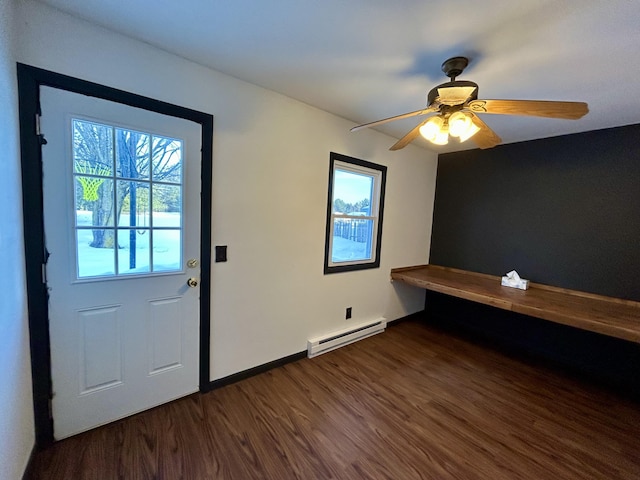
369, 59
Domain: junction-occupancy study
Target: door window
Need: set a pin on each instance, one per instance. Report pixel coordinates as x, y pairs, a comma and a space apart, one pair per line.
128, 201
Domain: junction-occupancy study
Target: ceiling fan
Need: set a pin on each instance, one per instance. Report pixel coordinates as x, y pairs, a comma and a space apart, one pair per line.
456, 104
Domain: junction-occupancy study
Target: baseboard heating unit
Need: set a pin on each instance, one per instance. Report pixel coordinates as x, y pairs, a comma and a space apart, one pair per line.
319, 345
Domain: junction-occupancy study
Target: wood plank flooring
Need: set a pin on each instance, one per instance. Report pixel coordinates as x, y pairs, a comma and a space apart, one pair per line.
411, 403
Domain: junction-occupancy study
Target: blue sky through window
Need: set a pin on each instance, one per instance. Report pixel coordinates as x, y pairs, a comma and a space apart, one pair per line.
352, 187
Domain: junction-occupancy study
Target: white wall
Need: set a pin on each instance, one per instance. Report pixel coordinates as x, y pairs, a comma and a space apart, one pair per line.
270, 174
16, 411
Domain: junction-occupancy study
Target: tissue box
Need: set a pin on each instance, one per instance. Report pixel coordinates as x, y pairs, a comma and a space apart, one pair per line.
520, 283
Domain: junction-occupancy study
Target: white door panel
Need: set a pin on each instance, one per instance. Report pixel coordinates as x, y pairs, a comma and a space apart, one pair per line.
124, 324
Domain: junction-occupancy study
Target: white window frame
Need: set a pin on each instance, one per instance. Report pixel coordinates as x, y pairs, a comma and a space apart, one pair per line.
378, 174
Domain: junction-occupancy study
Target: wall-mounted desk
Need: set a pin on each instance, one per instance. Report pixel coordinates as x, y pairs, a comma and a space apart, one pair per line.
605, 315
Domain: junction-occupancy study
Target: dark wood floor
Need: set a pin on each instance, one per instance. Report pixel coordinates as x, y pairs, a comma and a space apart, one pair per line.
413, 402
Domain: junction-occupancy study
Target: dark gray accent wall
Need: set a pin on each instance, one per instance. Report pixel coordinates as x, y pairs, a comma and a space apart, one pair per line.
563, 211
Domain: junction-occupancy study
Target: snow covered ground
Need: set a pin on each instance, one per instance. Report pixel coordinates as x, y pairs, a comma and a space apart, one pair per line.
165, 256
345, 250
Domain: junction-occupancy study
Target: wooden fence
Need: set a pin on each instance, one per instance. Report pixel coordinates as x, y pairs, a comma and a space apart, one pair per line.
351, 229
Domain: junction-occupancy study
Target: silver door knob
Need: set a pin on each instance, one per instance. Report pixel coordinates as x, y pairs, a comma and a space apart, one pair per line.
192, 282
192, 263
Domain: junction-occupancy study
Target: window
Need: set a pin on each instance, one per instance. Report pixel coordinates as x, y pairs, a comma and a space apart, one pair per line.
354, 214
128, 201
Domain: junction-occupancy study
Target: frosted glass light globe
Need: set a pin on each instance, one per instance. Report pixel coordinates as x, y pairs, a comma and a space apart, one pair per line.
469, 133
442, 138
459, 123
432, 128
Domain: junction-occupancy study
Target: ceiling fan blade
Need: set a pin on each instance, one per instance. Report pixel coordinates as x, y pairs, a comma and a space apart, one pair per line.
408, 138
424, 111
485, 138
535, 108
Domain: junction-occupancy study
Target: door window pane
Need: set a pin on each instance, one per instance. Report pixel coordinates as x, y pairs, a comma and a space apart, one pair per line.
133, 251
167, 159
95, 261
133, 204
132, 159
167, 250
167, 204
93, 201
92, 148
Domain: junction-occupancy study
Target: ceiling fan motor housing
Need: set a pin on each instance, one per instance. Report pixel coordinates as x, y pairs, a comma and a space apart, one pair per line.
454, 66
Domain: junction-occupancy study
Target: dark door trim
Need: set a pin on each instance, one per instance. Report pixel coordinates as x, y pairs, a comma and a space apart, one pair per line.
30, 79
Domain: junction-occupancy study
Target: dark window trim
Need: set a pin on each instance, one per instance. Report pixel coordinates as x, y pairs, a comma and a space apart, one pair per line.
30, 79
333, 157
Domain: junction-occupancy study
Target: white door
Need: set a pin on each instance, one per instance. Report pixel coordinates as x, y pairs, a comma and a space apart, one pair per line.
122, 211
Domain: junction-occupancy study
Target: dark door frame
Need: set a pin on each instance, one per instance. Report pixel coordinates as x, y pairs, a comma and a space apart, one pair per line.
30, 79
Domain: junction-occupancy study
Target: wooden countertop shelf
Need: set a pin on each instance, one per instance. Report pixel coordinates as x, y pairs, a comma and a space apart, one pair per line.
605, 315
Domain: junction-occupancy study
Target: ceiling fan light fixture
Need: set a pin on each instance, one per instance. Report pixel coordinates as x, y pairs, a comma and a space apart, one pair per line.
470, 132
457, 106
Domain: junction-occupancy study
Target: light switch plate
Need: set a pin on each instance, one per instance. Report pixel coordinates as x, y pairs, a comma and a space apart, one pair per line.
221, 253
